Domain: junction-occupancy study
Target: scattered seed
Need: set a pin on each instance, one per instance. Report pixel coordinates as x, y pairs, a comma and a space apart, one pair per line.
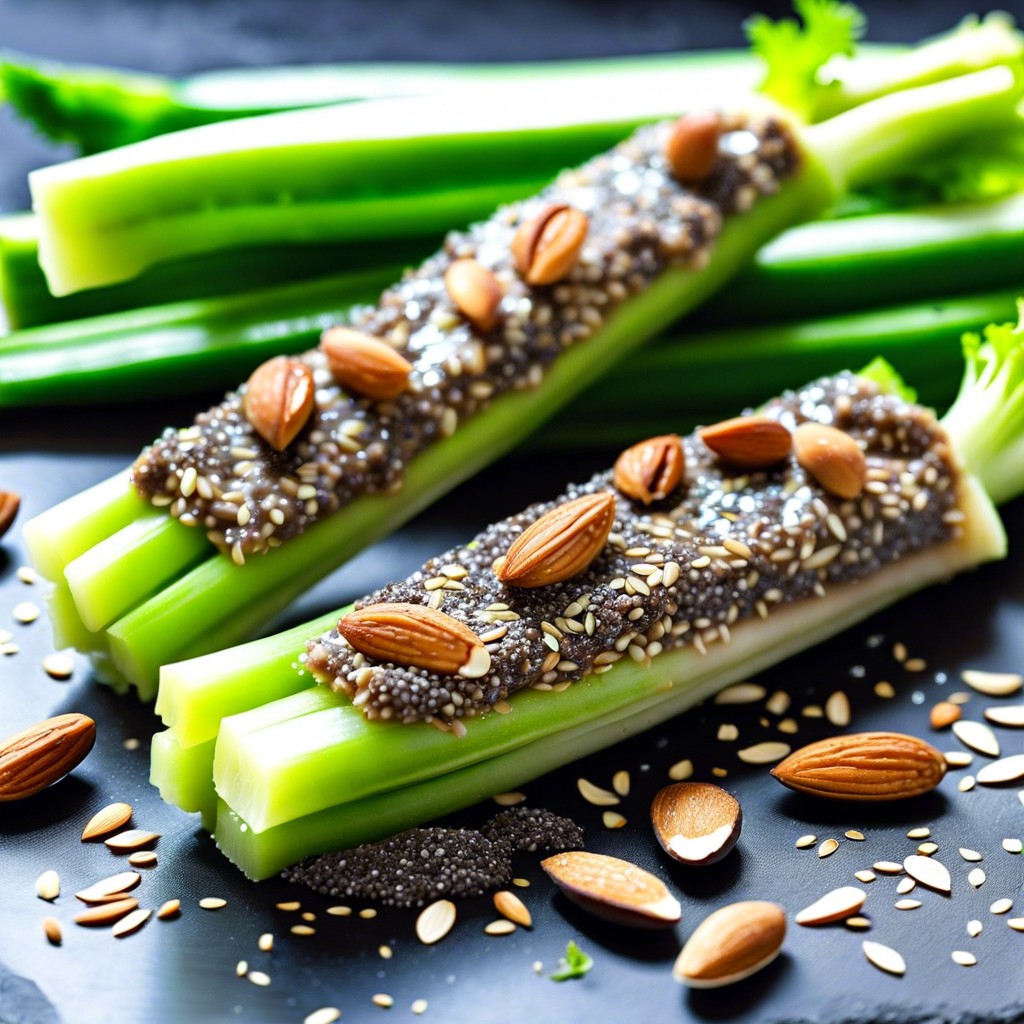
266, 942
386, 952
767, 752
915, 664
383, 1000
919, 833
804, 841
27, 575
828, 847
435, 922
212, 903
500, 927
509, 905
833, 906
325, 1015
595, 794
142, 859
681, 770
888, 867
122, 882
51, 929
1013, 845
899, 651
304, 930
728, 732
789, 726
339, 911
963, 958
508, 799
308, 916
740, 693
928, 871
1001, 906
837, 709
884, 957
907, 904
111, 818
857, 837
1011, 715
259, 978
977, 877
865, 876
368, 913
612, 819
169, 909
970, 855
927, 849
960, 697
778, 703
59, 666
858, 923
978, 736
812, 711
131, 923
419, 1006
521, 883
1007, 769
1016, 923
974, 928
106, 913
48, 886
958, 758
25, 612
906, 885
944, 713
133, 839
993, 684
966, 784
885, 690
131, 743
241, 968
293, 905
620, 783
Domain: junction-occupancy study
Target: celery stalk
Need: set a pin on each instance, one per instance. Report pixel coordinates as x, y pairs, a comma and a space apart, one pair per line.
182, 774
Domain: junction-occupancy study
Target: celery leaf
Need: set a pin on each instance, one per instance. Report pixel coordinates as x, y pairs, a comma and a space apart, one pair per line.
575, 964
889, 382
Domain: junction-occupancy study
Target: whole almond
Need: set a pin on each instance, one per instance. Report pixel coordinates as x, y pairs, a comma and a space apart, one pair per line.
691, 148
561, 543
51, 929
731, 944
863, 766
613, 889
111, 818
945, 713
696, 822
279, 400
650, 470
9, 505
45, 752
365, 365
832, 457
547, 247
748, 442
475, 291
413, 634
509, 905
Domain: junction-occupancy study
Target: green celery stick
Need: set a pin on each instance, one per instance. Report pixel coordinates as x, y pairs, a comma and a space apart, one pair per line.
182, 774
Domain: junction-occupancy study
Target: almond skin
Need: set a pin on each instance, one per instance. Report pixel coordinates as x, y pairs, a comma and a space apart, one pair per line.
45, 752
110, 819
475, 291
863, 766
364, 365
546, 247
415, 635
650, 470
832, 457
696, 823
731, 944
561, 543
692, 145
279, 400
944, 714
748, 442
613, 889
9, 505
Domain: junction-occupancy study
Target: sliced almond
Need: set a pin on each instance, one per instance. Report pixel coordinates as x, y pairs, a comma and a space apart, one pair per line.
907, 904
827, 848
691, 148
945, 713
978, 736
132, 839
107, 913
865, 876
279, 399
38, 756
212, 903
927, 871
863, 766
993, 684
731, 944
748, 442
99, 891
885, 958
169, 909
435, 921
413, 634
833, 906
1011, 715
837, 709
613, 889
561, 543
651, 470
1006, 769
546, 248
696, 822
832, 457
500, 927
142, 859
475, 291
110, 819
48, 886
888, 867
741, 693
963, 958
1001, 906
9, 505
51, 929
131, 922
971, 856
596, 795
766, 752
509, 905
906, 885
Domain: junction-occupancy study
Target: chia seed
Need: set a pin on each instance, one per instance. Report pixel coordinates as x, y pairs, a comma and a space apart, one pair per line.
727, 546
219, 475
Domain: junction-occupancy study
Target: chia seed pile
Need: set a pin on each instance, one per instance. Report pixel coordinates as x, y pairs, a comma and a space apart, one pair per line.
728, 545
219, 474
422, 864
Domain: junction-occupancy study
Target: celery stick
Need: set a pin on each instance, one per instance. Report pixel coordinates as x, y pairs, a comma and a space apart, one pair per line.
183, 774
68, 628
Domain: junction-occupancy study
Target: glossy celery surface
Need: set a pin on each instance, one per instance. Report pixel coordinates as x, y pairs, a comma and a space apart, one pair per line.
183, 774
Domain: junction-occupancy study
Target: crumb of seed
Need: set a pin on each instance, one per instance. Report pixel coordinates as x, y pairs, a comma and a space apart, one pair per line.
259, 978
381, 999
241, 968
367, 913
266, 942
59, 666
419, 1006
27, 575
289, 905
132, 743
25, 612
885, 690
386, 952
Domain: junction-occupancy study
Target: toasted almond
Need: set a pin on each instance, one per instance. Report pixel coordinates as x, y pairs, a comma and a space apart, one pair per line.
435, 921
978, 736
142, 859
832, 457
928, 871
131, 922
731, 944
9, 505
102, 890
107, 913
51, 929
132, 839
613, 889
48, 886
38, 756
650, 470
596, 795
500, 927
696, 822
828, 847
863, 766
837, 709
748, 442
1011, 715
475, 291
365, 365
212, 903
691, 148
279, 399
413, 634
111, 818
169, 909
993, 684
546, 248
509, 905
885, 958
833, 906
561, 543
945, 713
766, 752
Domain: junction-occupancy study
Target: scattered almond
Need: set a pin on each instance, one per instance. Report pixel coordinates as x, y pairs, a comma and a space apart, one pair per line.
1011, 715
169, 909
132, 839
748, 442
107, 913
546, 248
613, 889
412, 634
435, 921
500, 927
731, 944
650, 470
111, 818
884, 957
9, 505
944, 714
928, 871
38, 756
509, 905
212, 903
595, 794
142, 859
131, 922
993, 684
279, 400
828, 847
691, 148
59, 666
978, 736
102, 890
766, 752
696, 822
832, 457
863, 766
561, 543
1001, 906
475, 291
51, 929
833, 906
742, 693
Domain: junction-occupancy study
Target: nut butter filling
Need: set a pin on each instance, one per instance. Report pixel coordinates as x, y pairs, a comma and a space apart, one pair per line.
726, 545
499, 333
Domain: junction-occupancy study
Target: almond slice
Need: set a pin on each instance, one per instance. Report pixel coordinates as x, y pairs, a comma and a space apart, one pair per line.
696, 822
106, 913
885, 958
766, 752
106, 887
435, 921
978, 736
833, 906
613, 889
928, 871
132, 839
731, 944
993, 684
110, 819
1006, 769
131, 922
1011, 715
741, 693
509, 905
945, 713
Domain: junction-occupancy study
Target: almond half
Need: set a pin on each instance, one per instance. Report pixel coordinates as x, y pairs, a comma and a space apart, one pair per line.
650, 470
833, 906
731, 944
279, 400
561, 543
9, 505
691, 148
696, 822
546, 247
110, 819
364, 365
415, 635
475, 291
832, 457
613, 889
748, 442
863, 766
45, 752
